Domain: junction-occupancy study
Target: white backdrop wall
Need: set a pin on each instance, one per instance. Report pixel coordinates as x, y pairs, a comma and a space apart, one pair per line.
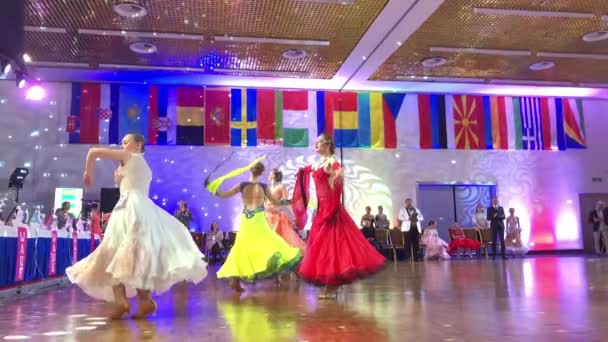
542, 185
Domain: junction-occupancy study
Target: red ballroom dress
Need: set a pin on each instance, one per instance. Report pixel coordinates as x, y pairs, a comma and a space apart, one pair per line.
459, 241
336, 252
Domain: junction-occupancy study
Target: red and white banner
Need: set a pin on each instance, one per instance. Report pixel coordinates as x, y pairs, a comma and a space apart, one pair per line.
53, 254
74, 248
21, 254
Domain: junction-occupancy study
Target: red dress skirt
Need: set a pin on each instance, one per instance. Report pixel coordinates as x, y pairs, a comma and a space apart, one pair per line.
459, 241
336, 252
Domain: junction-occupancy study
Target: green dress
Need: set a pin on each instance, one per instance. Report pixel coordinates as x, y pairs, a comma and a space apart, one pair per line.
258, 251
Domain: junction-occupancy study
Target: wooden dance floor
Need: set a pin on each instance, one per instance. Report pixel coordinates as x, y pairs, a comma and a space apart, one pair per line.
532, 299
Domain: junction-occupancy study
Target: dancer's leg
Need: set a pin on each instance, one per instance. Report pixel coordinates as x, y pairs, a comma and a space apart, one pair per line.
121, 303
329, 292
147, 305
235, 284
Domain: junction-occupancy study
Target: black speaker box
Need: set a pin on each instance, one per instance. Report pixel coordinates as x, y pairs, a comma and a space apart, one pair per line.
109, 198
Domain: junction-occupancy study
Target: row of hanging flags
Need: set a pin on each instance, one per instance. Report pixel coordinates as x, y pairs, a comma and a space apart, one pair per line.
180, 115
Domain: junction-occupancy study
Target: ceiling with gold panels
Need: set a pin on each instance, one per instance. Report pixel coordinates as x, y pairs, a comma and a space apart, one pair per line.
458, 26
341, 25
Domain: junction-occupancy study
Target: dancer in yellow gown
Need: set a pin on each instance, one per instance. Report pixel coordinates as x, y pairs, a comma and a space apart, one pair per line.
258, 252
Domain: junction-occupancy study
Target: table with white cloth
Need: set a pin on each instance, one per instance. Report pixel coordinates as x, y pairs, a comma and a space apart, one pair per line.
34, 253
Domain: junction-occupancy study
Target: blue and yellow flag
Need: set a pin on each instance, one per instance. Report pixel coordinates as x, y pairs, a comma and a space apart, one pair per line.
243, 117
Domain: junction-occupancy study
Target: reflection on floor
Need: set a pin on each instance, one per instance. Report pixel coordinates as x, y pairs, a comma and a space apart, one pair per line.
541, 299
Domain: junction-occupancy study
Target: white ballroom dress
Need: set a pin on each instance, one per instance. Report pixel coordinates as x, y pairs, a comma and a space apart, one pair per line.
143, 247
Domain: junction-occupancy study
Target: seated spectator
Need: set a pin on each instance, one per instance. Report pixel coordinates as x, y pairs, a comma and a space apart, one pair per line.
214, 243
367, 223
460, 242
381, 221
183, 214
479, 218
65, 219
436, 248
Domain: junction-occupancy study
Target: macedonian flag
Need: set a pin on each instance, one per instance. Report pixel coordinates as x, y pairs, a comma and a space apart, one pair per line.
469, 122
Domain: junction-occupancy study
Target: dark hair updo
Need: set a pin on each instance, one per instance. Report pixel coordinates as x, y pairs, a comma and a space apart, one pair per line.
257, 169
277, 174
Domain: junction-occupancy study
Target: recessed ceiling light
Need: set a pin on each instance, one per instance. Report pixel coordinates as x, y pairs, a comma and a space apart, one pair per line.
130, 9
541, 66
143, 48
293, 54
433, 62
595, 36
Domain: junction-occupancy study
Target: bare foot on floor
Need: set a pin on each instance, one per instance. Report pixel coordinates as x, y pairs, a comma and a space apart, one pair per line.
120, 309
145, 309
235, 284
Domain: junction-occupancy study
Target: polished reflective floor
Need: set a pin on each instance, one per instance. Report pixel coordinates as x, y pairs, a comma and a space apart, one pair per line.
532, 299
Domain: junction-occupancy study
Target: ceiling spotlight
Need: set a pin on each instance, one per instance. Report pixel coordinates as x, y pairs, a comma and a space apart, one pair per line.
541, 66
20, 80
35, 93
143, 48
433, 62
129, 9
294, 54
27, 58
595, 36
5, 68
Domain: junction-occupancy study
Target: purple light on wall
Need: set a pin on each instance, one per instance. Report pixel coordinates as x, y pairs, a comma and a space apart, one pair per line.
35, 93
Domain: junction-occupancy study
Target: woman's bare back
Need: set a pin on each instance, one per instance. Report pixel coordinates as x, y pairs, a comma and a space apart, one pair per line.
253, 195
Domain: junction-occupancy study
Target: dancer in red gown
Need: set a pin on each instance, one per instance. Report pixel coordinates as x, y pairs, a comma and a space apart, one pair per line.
337, 253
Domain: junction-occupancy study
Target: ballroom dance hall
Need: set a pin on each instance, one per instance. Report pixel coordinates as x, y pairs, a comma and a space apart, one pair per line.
303, 170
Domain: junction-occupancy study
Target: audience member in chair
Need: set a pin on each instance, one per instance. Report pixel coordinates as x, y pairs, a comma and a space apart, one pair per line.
460, 242
479, 218
381, 221
367, 223
183, 214
496, 216
409, 218
436, 248
214, 243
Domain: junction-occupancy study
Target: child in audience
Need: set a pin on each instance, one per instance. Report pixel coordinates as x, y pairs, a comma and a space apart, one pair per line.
460, 242
435, 247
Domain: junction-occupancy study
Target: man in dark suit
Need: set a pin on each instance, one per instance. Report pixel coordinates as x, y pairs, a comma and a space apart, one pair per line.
599, 219
496, 216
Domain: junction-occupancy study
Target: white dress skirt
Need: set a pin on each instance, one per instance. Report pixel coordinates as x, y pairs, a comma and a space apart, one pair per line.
144, 247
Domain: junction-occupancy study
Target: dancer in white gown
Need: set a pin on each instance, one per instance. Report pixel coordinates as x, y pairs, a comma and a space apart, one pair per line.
144, 249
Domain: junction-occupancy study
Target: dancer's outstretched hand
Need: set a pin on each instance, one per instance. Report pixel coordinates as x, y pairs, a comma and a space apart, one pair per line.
87, 179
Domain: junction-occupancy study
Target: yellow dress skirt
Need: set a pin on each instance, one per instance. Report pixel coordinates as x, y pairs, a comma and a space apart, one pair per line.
258, 252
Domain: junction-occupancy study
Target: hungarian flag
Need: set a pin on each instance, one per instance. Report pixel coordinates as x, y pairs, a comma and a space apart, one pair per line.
217, 116
298, 117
